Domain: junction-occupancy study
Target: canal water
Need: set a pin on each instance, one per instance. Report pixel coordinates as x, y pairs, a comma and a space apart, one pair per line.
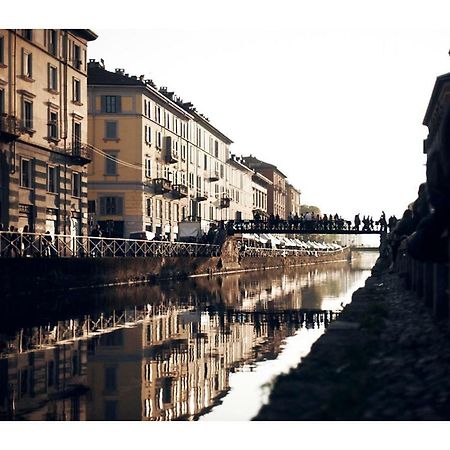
198, 349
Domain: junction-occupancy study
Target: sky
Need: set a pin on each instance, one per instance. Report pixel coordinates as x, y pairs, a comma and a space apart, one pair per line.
332, 93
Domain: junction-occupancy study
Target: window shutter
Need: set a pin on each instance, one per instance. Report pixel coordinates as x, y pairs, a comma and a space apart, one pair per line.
119, 103
102, 206
30, 64
119, 210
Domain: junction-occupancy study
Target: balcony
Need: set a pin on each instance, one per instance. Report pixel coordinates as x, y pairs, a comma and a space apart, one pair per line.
79, 153
225, 201
214, 176
9, 128
201, 196
171, 156
179, 190
162, 185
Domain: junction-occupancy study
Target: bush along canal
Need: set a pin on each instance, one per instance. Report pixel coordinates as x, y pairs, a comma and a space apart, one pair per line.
195, 349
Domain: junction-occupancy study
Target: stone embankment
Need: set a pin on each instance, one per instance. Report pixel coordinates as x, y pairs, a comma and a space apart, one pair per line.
385, 358
30, 275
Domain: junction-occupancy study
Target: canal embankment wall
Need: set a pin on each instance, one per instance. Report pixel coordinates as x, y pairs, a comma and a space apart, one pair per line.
20, 276
385, 358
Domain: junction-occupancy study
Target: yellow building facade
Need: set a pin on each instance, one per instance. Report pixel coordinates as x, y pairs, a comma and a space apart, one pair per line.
43, 129
156, 160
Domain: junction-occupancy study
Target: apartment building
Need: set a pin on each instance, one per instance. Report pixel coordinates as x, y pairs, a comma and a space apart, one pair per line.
156, 161
276, 192
43, 129
240, 189
260, 184
292, 200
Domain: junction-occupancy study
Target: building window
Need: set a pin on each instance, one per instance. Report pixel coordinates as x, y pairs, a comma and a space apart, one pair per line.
158, 209
158, 139
76, 137
148, 207
27, 114
76, 88
53, 125
2, 101
52, 179
111, 103
158, 114
2, 50
27, 64
27, 34
216, 149
148, 168
110, 130
91, 207
53, 42
25, 173
206, 162
148, 137
52, 78
77, 62
111, 206
111, 163
168, 121
76, 184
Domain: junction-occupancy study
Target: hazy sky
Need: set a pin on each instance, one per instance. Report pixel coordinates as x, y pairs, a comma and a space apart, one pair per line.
332, 92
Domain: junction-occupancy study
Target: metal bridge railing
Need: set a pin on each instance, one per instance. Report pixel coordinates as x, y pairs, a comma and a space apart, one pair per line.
45, 245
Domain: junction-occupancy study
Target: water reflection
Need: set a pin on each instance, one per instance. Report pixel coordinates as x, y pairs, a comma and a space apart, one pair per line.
177, 355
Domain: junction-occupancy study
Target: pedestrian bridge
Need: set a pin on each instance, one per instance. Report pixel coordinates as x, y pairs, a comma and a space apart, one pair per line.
303, 227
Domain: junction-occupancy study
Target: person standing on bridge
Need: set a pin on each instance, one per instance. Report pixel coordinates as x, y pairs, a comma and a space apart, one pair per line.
382, 222
357, 222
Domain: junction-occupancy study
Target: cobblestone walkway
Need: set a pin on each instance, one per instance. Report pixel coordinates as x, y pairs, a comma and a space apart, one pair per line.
385, 358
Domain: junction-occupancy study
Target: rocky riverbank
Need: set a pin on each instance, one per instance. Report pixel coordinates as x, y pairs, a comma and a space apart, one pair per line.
385, 358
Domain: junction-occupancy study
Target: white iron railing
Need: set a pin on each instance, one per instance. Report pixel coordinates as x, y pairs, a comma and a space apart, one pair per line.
14, 244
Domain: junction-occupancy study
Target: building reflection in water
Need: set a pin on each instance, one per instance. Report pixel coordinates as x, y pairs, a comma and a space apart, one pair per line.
165, 361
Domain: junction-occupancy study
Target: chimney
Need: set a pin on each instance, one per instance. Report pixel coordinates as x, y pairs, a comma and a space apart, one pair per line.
121, 71
141, 77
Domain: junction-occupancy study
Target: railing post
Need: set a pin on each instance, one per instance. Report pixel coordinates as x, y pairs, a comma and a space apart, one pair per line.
428, 284
440, 295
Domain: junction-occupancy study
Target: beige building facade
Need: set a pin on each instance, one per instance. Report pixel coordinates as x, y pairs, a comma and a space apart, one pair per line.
156, 160
292, 200
260, 185
239, 189
276, 192
43, 129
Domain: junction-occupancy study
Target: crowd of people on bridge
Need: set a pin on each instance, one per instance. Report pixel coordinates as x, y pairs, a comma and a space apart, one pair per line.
316, 223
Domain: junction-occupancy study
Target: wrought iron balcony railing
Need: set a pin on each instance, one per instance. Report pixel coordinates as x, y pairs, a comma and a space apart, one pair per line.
162, 185
201, 196
9, 128
180, 190
214, 176
225, 201
171, 156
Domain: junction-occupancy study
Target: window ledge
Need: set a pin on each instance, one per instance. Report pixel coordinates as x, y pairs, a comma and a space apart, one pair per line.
27, 188
52, 139
110, 175
76, 102
52, 193
3, 65
27, 78
111, 139
53, 91
28, 131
